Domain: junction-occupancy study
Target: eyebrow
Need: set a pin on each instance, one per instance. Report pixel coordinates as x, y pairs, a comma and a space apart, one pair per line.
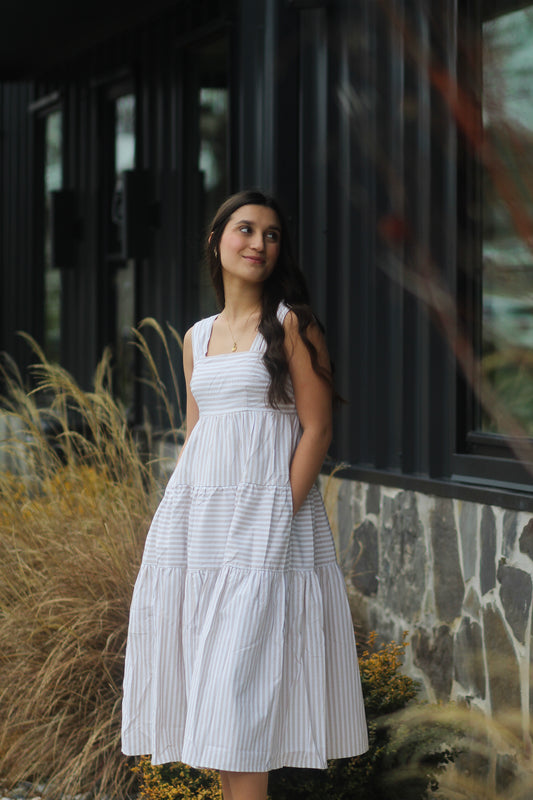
249, 222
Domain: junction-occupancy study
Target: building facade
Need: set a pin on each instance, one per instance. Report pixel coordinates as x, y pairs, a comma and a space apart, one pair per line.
397, 137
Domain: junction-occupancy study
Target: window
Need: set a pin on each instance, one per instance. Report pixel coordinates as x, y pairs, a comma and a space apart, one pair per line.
118, 275
53, 179
212, 156
507, 197
496, 413
124, 274
207, 156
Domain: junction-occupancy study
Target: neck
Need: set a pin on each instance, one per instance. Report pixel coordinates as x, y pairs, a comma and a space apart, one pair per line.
238, 304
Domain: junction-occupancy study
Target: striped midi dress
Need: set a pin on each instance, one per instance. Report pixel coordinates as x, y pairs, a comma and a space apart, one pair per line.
240, 653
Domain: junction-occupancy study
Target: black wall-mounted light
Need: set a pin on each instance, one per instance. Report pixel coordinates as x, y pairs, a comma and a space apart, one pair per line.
65, 229
140, 214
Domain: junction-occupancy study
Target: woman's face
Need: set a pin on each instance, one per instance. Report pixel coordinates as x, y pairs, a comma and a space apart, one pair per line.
249, 245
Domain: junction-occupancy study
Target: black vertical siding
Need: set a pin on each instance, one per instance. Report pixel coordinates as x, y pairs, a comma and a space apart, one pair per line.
415, 332
313, 155
334, 110
386, 140
444, 242
20, 283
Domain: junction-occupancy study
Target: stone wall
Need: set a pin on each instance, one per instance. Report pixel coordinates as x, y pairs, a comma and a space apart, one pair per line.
455, 575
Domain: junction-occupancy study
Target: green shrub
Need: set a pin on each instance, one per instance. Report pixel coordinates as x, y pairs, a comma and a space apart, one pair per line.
176, 782
398, 765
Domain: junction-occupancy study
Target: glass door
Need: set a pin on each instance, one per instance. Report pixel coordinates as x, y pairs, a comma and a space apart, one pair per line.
120, 273
207, 145
52, 131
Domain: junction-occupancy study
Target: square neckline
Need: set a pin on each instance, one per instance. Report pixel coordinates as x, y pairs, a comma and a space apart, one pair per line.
251, 349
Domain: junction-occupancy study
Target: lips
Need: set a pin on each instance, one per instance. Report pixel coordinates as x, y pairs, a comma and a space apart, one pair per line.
255, 259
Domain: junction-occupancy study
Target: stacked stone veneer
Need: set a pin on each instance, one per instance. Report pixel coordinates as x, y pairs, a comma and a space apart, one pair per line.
457, 576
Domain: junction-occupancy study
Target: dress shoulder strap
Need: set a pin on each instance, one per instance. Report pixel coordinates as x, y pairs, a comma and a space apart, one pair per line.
201, 332
282, 312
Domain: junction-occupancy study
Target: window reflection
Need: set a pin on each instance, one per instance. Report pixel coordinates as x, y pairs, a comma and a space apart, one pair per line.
124, 113
124, 133
212, 160
209, 66
53, 180
507, 360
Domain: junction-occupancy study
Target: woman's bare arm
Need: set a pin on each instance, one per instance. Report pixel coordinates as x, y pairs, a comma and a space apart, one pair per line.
313, 397
192, 412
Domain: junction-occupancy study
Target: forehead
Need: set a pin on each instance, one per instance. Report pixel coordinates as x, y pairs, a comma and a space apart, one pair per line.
262, 216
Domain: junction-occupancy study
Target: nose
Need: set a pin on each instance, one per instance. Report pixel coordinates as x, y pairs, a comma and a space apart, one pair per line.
258, 243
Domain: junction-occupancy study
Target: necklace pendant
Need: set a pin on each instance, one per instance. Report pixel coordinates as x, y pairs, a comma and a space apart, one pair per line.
234, 347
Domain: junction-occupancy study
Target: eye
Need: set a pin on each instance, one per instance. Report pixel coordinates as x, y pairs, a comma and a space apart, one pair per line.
245, 229
273, 236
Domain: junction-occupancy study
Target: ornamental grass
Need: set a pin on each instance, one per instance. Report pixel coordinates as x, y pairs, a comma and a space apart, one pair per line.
76, 499
493, 754
77, 494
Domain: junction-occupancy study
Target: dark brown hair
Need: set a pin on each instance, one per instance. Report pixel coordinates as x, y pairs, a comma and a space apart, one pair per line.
285, 284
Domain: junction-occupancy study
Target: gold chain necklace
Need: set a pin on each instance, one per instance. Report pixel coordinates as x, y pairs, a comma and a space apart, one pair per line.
234, 348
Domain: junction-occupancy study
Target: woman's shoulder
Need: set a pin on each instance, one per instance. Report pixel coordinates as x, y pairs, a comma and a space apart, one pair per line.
198, 334
289, 316
202, 325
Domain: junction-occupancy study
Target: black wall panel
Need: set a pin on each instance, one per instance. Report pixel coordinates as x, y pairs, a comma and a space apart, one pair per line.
20, 282
333, 109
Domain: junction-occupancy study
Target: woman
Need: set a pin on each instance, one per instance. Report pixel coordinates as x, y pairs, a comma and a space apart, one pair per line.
241, 655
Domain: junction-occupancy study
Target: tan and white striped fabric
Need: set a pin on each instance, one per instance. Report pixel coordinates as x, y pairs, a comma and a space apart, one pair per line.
241, 654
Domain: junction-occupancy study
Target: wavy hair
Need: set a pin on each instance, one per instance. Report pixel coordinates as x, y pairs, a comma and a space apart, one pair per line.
285, 284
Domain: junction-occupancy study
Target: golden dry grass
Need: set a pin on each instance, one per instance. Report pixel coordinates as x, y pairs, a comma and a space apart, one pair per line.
494, 759
74, 511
